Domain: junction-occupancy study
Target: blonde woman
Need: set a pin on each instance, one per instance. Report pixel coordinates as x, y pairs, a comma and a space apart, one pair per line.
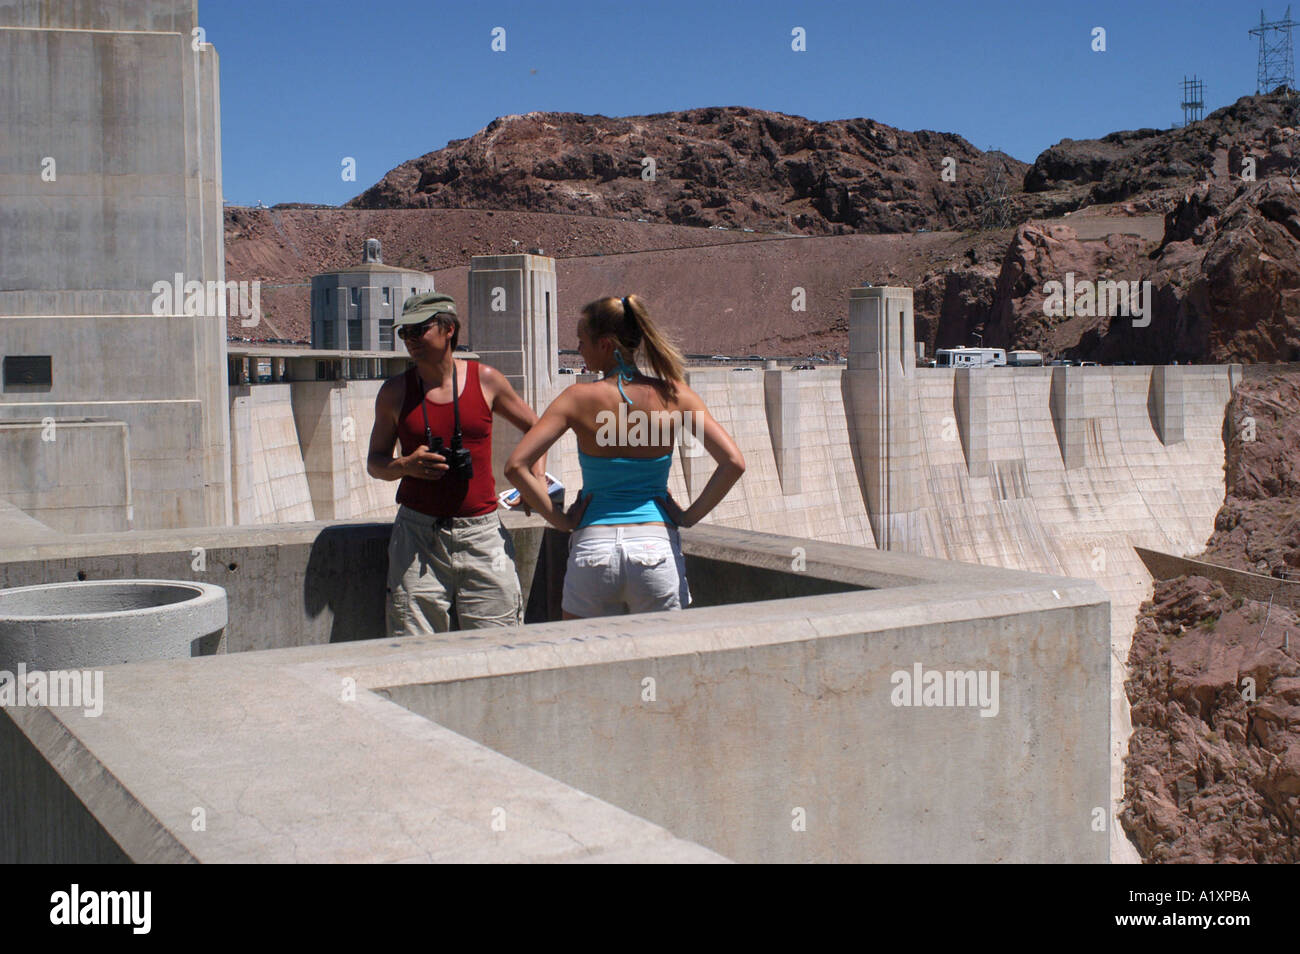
625, 554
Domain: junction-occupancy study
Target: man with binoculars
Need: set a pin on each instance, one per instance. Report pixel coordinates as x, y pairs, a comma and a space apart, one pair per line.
448, 545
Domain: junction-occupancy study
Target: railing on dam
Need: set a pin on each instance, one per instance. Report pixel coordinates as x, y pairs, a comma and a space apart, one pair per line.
281, 365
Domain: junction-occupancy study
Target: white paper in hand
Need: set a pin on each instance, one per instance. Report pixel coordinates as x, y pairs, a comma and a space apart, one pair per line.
510, 499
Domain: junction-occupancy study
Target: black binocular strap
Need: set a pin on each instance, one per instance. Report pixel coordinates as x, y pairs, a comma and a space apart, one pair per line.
455, 405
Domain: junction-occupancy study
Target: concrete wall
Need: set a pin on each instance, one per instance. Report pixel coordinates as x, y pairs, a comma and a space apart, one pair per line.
129, 114
287, 585
71, 475
735, 742
323, 582
991, 477
41, 820
1044, 469
1251, 586
268, 474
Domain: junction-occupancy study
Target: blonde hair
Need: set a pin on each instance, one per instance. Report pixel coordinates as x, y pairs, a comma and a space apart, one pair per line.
628, 322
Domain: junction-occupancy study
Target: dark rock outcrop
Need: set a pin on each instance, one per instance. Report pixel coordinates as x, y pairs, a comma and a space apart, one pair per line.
727, 166
1213, 770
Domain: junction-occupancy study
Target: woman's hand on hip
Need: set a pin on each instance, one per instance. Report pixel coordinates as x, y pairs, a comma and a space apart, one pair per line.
569, 520
675, 513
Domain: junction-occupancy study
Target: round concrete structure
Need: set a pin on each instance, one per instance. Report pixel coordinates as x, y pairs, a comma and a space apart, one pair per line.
106, 622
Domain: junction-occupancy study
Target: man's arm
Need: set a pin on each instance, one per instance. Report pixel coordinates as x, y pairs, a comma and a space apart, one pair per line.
506, 402
380, 462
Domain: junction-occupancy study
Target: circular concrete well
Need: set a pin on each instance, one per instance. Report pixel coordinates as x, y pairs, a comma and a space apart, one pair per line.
106, 622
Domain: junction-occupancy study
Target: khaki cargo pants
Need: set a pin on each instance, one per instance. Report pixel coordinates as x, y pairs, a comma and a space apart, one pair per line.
435, 562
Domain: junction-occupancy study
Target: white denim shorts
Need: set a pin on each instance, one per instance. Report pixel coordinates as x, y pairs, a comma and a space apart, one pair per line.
625, 569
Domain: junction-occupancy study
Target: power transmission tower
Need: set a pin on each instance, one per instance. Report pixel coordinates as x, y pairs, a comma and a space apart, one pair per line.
1276, 60
1193, 100
995, 204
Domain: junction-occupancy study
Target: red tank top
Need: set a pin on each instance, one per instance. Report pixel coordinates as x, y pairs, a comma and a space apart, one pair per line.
450, 496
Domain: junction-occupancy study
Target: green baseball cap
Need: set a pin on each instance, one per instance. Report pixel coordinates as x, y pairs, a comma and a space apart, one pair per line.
418, 309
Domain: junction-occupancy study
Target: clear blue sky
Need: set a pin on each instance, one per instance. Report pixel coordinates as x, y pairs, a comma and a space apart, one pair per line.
305, 83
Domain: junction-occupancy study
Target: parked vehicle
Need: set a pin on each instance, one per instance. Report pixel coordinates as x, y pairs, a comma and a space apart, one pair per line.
1024, 359
970, 357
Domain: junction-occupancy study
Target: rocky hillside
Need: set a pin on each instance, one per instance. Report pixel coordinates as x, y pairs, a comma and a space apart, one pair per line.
1225, 272
727, 166
1258, 527
1222, 251
1213, 770
1141, 161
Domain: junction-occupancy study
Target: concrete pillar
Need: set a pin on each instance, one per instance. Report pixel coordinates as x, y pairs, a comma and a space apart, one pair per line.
970, 405
242, 449
781, 402
512, 326
319, 410
1068, 415
883, 426
1165, 403
134, 200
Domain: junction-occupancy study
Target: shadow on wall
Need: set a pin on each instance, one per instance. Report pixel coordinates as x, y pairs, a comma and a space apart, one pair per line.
854, 415
347, 574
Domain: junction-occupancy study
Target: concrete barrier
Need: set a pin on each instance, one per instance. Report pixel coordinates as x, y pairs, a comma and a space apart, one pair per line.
1251, 586
769, 730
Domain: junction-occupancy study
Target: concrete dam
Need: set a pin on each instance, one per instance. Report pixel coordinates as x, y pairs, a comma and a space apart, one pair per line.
971, 531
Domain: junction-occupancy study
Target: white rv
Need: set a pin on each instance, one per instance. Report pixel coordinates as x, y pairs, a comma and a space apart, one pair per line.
970, 357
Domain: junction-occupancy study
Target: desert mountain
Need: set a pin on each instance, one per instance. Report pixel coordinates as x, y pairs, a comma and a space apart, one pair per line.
727, 166
1209, 214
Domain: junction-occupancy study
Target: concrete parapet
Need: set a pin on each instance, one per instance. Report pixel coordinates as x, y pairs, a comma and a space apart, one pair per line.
1252, 586
287, 584
1165, 403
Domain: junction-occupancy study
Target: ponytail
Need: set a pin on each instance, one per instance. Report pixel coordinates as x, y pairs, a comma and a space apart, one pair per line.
629, 323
